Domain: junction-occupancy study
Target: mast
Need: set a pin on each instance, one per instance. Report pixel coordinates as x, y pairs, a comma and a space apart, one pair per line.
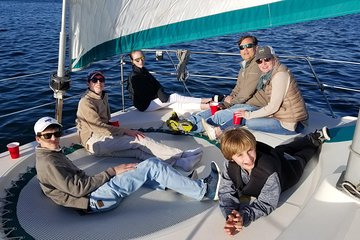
60, 81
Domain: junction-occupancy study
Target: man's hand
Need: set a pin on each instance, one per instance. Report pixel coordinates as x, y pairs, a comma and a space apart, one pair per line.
234, 223
133, 133
124, 168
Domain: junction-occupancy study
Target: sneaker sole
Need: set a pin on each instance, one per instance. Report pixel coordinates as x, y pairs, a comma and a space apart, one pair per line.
325, 131
214, 165
207, 130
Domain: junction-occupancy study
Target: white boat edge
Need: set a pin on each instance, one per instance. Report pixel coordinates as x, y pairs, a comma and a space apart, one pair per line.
305, 211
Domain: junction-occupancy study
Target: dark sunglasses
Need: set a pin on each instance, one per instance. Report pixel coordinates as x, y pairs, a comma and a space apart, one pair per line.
139, 58
260, 61
49, 135
249, 45
95, 80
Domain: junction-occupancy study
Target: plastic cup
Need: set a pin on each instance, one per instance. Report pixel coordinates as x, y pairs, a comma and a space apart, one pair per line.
14, 150
237, 119
214, 106
115, 123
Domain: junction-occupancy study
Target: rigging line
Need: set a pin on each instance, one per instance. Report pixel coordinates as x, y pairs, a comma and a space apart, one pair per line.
23, 76
25, 110
334, 61
36, 107
43, 105
341, 88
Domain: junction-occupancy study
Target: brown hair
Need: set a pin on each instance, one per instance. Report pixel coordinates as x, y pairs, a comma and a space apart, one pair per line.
236, 140
130, 54
253, 38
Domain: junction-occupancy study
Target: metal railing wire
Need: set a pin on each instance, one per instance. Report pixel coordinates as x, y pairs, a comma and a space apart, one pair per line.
321, 86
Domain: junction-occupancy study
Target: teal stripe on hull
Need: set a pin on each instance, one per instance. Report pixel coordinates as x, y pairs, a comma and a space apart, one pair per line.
342, 134
276, 14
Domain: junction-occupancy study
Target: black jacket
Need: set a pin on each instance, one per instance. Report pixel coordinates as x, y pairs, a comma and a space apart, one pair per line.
143, 88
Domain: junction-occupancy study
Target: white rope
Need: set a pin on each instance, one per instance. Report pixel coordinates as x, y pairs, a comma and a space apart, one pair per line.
24, 76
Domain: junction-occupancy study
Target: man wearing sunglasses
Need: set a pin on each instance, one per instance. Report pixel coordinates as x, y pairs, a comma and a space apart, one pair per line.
67, 185
248, 75
148, 94
99, 137
244, 89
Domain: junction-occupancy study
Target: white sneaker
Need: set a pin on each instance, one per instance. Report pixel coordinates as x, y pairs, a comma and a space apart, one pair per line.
210, 130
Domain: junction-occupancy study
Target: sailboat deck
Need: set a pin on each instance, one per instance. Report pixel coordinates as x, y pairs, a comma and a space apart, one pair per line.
155, 214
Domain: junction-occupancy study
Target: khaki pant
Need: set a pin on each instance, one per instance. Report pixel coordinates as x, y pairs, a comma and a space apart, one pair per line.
127, 146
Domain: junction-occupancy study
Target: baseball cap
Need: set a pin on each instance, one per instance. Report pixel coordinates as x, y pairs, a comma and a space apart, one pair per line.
264, 52
44, 122
95, 74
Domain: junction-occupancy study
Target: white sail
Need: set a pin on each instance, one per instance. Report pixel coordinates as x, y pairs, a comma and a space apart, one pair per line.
103, 28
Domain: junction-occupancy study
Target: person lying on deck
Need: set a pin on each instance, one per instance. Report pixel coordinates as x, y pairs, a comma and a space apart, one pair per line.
68, 186
99, 137
148, 94
256, 174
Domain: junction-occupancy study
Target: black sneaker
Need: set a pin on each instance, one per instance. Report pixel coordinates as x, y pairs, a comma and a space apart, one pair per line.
213, 182
323, 134
174, 116
320, 136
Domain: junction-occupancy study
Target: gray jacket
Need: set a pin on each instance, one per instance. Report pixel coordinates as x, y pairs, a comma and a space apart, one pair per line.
250, 209
65, 183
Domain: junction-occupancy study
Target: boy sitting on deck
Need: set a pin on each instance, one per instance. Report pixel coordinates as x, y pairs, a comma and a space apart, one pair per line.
260, 171
69, 186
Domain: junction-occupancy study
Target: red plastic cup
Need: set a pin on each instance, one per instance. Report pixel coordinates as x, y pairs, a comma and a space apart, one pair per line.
14, 150
237, 119
214, 106
115, 123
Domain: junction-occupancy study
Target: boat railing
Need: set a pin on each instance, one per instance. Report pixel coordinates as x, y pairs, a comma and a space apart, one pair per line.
321, 86
171, 56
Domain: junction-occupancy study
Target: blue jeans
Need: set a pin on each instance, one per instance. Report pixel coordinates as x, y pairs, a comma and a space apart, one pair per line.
224, 120
225, 117
221, 117
153, 172
196, 120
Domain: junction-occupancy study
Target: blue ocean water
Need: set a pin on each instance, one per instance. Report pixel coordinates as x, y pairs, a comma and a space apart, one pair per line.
29, 31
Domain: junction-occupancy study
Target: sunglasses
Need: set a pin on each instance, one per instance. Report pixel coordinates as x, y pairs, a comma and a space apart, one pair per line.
49, 135
139, 58
260, 61
95, 80
249, 45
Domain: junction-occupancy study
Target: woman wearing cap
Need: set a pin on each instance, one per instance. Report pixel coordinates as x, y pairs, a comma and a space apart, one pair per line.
99, 137
277, 106
147, 93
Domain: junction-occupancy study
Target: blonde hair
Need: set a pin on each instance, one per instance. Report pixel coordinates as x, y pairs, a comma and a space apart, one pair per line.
236, 140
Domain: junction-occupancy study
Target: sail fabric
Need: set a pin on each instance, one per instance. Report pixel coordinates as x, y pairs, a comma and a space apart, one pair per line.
103, 28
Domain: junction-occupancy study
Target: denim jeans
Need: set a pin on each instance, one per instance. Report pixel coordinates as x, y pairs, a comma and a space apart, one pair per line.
264, 124
196, 120
219, 118
152, 172
225, 117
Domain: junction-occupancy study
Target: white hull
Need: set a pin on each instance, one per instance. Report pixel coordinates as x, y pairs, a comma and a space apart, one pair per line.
314, 209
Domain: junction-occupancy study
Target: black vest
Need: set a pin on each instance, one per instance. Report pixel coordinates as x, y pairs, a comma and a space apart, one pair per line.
267, 162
